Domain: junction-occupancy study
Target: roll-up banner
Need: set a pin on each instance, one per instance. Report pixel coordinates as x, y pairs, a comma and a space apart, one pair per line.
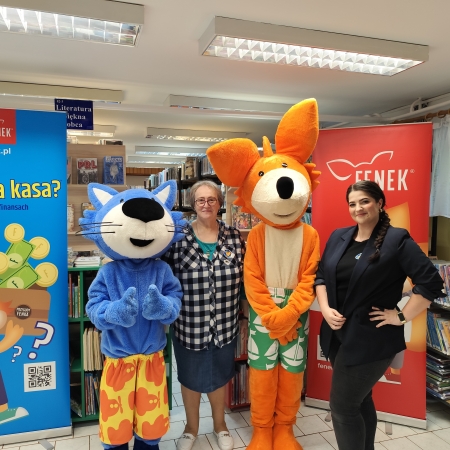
398, 158
34, 361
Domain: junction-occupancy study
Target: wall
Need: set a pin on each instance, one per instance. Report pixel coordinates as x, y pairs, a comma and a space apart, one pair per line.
443, 239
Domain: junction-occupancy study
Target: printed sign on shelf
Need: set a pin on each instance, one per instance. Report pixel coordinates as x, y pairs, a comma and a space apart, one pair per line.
398, 158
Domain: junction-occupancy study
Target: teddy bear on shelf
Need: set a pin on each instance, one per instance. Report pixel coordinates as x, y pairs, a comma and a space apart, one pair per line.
279, 267
131, 301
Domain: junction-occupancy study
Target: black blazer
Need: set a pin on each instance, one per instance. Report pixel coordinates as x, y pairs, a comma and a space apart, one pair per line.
380, 284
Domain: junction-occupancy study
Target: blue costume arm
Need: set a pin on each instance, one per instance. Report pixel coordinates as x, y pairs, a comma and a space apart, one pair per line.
106, 314
164, 306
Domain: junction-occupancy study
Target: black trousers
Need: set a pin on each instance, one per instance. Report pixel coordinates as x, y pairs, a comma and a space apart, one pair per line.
352, 408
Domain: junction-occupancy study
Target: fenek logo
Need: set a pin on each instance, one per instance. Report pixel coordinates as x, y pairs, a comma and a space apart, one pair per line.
375, 170
7, 126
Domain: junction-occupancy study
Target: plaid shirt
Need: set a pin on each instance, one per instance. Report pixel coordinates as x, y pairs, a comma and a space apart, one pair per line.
210, 304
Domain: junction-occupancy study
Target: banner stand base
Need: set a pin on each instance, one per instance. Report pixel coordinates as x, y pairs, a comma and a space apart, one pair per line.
36, 435
385, 417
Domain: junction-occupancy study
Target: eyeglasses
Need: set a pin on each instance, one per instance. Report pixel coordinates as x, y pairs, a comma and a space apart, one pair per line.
201, 201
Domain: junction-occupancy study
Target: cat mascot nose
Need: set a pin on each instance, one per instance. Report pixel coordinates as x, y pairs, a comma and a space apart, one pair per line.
144, 209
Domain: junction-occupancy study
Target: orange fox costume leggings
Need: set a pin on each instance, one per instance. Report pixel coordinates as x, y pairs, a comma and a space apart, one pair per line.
133, 398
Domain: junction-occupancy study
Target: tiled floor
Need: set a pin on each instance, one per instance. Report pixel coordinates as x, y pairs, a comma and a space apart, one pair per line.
311, 431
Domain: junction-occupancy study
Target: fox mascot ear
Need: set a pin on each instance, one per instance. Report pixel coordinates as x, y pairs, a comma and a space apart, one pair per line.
233, 159
298, 131
296, 137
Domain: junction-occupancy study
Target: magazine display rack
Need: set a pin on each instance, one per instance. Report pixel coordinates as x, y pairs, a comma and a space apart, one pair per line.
86, 361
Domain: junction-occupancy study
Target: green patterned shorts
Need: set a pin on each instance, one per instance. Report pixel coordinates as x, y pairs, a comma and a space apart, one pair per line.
265, 353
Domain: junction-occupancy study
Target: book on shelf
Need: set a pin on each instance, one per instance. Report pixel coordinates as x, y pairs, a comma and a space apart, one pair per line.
444, 271
92, 357
113, 170
70, 217
240, 220
206, 167
75, 405
190, 168
87, 170
87, 261
438, 331
85, 206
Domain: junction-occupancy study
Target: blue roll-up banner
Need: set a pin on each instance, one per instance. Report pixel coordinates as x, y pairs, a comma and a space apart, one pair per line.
34, 361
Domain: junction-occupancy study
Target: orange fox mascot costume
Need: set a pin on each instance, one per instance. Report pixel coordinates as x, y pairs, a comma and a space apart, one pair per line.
279, 266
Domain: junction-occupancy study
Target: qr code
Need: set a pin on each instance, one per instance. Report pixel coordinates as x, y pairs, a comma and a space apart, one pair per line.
40, 376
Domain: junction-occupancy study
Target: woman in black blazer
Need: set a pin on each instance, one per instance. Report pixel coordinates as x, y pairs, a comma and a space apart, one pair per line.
358, 284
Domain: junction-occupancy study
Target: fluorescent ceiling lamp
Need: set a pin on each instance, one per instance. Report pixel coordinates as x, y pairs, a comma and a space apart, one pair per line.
191, 135
105, 131
165, 161
159, 154
170, 151
53, 91
221, 104
262, 42
103, 21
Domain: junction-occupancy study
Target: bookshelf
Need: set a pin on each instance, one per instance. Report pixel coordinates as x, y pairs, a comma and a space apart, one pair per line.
77, 193
438, 341
80, 379
237, 395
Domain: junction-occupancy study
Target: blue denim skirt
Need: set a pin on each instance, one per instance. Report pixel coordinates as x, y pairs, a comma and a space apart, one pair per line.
204, 370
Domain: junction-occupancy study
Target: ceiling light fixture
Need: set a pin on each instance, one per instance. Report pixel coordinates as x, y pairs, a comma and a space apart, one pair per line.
221, 104
103, 21
262, 42
191, 135
105, 131
53, 91
166, 160
170, 151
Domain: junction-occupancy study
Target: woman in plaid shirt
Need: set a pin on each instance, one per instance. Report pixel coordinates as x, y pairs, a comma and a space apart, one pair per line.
208, 262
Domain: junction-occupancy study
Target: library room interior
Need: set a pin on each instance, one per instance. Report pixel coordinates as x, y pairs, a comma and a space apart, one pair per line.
256, 197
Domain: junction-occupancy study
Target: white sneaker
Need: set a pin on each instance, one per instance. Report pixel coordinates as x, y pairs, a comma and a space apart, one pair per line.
186, 441
225, 440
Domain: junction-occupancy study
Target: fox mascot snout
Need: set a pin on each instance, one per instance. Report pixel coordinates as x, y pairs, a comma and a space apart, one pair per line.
279, 267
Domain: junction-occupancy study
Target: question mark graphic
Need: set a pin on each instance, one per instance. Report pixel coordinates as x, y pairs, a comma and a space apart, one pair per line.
18, 353
56, 188
38, 342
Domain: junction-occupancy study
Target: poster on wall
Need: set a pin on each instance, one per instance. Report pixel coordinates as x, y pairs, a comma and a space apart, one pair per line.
34, 362
398, 158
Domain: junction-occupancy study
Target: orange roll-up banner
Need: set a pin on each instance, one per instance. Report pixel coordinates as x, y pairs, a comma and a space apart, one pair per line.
398, 158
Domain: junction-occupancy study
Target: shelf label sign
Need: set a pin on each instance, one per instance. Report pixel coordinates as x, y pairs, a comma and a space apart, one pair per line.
398, 158
34, 361
80, 113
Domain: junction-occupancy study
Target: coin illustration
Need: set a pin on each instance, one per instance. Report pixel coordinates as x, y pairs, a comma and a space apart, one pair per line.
48, 273
14, 232
42, 247
3, 262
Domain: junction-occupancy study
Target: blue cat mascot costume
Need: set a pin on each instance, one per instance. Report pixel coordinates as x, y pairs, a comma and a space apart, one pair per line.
130, 301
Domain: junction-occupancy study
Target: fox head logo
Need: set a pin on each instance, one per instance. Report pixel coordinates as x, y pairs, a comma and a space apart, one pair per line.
275, 187
342, 169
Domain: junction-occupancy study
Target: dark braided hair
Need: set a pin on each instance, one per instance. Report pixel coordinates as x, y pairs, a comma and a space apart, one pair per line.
374, 191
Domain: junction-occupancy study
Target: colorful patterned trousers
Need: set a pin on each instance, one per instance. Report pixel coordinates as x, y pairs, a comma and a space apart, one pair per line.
133, 398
